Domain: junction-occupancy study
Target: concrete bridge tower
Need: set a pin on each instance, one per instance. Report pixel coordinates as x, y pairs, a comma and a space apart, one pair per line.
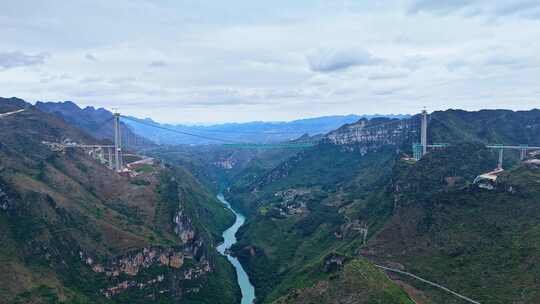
117, 142
423, 140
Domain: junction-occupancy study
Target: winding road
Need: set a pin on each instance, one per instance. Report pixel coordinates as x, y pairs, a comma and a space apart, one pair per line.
2, 115
428, 282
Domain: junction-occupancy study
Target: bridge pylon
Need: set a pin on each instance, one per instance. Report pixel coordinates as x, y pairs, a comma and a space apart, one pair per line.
423, 134
117, 142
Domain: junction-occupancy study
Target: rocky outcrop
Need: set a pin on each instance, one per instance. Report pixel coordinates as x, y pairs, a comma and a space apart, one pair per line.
4, 201
192, 273
374, 133
133, 264
290, 194
333, 262
183, 227
124, 285
226, 164
293, 202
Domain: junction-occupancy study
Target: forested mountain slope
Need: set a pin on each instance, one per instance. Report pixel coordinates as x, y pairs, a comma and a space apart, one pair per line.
219, 166
312, 212
73, 231
483, 243
300, 220
486, 126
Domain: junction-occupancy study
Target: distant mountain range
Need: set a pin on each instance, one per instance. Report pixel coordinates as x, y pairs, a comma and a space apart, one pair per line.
98, 122
253, 132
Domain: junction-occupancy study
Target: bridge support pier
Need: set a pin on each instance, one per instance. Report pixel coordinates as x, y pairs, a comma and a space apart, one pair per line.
423, 138
523, 151
500, 164
110, 159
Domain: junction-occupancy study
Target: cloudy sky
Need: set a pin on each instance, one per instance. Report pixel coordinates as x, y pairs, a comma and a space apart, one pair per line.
215, 61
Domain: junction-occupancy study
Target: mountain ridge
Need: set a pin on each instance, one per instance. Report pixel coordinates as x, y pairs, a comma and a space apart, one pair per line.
96, 121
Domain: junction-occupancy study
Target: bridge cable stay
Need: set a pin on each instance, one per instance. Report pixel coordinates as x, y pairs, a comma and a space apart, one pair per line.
179, 131
244, 144
222, 140
312, 143
236, 143
200, 129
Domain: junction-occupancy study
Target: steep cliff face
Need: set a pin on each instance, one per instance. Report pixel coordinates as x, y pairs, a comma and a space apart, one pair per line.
183, 227
377, 132
5, 202
74, 231
451, 126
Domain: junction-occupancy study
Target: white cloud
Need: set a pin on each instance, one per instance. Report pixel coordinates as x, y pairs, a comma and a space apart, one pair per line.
240, 60
331, 60
494, 8
157, 64
90, 57
9, 60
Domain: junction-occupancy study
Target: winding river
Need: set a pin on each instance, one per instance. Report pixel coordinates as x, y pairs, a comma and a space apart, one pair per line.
229, 236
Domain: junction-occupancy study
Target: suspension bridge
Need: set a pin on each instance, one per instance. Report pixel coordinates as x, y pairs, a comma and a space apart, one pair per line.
413, 130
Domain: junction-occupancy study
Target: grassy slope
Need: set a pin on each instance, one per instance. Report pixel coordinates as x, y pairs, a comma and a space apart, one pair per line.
358, 282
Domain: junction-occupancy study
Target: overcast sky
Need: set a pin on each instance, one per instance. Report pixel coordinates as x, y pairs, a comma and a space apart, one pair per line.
215, 61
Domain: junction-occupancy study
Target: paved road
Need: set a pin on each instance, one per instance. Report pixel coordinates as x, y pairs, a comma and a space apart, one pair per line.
428, 282
11, 113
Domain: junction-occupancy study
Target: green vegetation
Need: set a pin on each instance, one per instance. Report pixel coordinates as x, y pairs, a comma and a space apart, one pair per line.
358, 281
66, 213
426, 216
482, 243
308, 211
325, 184
145, 169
